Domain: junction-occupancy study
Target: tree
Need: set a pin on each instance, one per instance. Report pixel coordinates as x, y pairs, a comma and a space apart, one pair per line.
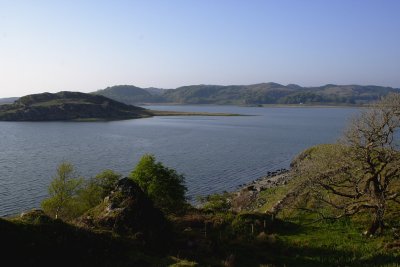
106, 181
62, 191
163, 185
360, 173
96, 189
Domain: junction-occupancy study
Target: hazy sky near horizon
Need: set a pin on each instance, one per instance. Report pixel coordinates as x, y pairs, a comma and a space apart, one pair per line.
85, 45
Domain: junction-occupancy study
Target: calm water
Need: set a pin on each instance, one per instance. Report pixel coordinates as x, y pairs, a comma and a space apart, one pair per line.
215, 153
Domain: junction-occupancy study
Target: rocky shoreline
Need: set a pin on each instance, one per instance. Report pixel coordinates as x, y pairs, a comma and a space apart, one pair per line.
244, 198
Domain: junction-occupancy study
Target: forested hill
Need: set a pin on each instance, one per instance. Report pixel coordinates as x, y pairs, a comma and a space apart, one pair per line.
130, 94
263, 93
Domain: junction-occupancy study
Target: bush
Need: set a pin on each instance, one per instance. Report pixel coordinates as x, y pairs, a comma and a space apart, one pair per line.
71, 196
163, 185
96, 189
219, 203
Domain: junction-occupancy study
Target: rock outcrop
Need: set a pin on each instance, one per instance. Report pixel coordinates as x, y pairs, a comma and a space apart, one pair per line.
128, 211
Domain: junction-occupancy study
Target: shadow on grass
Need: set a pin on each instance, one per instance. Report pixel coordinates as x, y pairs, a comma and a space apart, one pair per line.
55, 243
279, 246
280, 254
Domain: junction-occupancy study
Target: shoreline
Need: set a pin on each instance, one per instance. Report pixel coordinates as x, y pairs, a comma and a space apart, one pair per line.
160, 113
245, 196
260, 105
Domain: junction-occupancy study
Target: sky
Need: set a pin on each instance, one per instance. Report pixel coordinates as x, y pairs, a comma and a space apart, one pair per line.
85, 45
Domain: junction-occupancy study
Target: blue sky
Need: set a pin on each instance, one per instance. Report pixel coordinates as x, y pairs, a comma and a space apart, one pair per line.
87, 45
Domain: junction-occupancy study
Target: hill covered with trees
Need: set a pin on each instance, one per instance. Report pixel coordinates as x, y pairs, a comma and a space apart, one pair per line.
256, 94
130, 94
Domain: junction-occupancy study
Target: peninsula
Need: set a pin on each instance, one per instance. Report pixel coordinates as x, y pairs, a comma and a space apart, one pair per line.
75, 106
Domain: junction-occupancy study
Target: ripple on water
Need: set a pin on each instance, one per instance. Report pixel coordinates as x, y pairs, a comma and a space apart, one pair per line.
214, 153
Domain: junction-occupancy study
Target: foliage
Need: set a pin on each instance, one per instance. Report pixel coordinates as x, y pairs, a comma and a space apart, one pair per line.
106, 181
162, 184
360, 174
216, 202
89, 196
62, 193
263, 93
96, 189
71, 196
273, 93
129, 94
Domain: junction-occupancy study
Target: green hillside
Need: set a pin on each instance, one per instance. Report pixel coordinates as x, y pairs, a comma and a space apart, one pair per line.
256, 94
130, 94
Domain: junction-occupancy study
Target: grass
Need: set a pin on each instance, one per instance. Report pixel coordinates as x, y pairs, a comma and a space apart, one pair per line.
57, 102
337, 244
290, 242
318, 245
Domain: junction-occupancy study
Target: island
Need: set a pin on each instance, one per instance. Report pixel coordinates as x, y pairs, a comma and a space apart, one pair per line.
76, 106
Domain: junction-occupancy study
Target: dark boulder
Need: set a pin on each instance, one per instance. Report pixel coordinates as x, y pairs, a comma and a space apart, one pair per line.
128, 211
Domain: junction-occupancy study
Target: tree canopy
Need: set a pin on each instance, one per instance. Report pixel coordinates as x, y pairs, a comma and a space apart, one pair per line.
163, 185
62, 192
70, 196
97, 188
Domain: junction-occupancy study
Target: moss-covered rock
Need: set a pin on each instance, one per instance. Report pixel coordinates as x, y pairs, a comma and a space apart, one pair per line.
128, 211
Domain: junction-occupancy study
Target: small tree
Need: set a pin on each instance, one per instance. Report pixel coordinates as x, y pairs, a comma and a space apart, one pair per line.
62, 191
361, 173
162, 184
96, 189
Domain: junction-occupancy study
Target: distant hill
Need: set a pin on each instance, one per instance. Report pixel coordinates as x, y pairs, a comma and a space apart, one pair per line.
155, 91
8, 100
130, 94
69, 106
263, 93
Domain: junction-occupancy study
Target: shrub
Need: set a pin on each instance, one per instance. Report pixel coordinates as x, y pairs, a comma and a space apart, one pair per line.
163, 185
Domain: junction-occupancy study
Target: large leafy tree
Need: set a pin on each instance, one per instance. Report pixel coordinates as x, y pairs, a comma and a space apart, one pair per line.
361, 173
162, 184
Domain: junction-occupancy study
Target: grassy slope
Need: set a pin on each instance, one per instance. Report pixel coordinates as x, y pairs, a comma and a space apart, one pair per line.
283, 243
333, 243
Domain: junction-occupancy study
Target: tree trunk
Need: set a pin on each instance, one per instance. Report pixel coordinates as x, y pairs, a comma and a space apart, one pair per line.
57, 211
377, 225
